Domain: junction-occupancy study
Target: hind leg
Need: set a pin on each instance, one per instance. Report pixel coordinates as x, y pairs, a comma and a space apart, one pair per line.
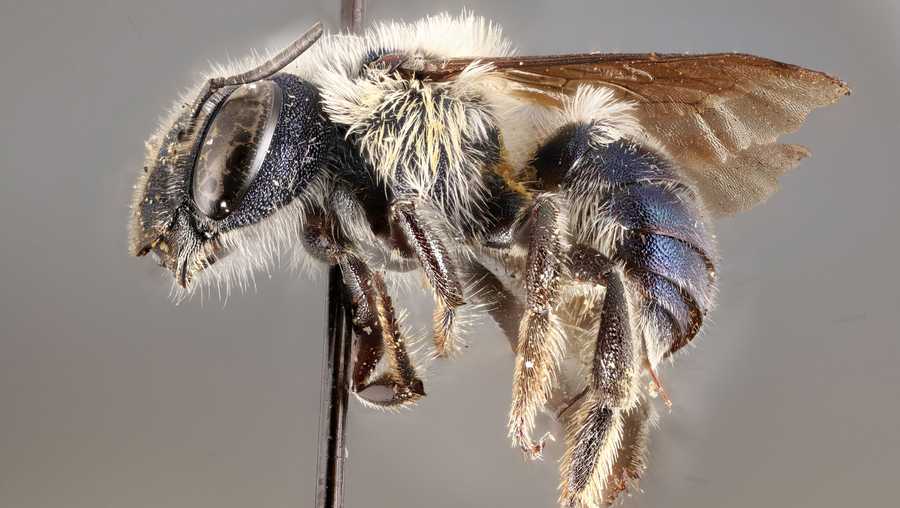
625, 462
595, 431
631, 461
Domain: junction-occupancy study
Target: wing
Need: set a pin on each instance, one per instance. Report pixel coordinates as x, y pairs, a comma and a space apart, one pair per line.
718, 115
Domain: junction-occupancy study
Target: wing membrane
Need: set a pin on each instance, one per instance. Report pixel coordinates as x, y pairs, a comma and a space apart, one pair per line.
719, 115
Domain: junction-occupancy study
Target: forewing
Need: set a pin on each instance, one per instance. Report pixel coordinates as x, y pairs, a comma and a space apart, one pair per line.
717, 115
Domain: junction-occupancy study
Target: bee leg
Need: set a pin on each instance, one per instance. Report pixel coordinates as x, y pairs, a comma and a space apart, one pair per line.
631, 462
501, 304
373, 318
595, 430
588, 265
541, 343
415, 231
375, 324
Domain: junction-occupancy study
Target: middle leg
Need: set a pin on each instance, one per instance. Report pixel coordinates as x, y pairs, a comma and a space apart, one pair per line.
413, 231
541, 343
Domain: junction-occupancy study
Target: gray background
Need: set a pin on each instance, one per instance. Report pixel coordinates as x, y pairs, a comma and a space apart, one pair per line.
111, 396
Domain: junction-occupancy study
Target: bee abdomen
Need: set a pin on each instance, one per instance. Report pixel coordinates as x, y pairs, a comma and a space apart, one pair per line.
673, 285
631, 204
660, 210
668, 254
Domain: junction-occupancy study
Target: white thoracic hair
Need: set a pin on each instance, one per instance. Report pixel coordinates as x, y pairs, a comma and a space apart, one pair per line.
334, 64
405, 128
335, 59
352, 97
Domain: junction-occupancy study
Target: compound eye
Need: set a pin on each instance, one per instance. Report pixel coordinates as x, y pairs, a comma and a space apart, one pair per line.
234, 147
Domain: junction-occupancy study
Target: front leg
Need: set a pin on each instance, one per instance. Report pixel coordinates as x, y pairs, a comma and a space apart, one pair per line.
374, 322
414, 231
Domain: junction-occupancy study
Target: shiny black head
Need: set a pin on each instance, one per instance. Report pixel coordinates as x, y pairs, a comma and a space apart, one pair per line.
247, 148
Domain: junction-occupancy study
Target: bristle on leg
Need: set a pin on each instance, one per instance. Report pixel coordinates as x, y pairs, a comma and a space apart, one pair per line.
593, 434
541, 344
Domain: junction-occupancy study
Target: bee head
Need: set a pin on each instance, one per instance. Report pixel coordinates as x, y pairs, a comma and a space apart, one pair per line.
240, 154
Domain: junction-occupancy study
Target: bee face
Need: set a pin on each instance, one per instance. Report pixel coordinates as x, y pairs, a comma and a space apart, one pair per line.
246, 153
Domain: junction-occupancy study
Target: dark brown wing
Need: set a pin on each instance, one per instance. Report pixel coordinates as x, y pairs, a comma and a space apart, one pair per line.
718, 115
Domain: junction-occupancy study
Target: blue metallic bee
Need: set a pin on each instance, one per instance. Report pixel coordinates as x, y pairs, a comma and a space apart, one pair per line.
573, 194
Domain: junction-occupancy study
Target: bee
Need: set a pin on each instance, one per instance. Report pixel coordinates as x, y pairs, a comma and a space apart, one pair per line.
573, 194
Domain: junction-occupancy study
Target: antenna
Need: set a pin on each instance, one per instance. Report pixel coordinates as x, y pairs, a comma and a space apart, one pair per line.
260, 72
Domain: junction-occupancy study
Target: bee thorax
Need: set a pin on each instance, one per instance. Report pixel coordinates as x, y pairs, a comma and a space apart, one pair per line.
423, 140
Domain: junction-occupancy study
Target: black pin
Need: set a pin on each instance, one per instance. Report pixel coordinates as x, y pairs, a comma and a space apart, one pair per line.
335, 394
336, 365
